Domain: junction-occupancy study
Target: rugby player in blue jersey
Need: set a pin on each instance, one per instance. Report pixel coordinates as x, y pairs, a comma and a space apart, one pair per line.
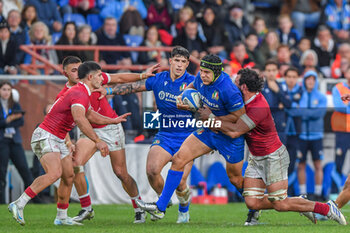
225, 101
166, 86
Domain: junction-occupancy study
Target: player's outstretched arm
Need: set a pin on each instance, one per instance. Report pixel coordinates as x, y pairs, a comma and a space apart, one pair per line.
133, 77
127, 88
96, 118
82, 122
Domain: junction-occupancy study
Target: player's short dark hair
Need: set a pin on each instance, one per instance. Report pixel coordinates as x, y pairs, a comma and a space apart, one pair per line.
291, 68
70, 60
271, 62
251, 79
180, 51
86, 68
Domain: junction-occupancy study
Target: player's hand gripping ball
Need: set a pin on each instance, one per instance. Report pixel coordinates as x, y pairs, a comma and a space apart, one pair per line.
192, 98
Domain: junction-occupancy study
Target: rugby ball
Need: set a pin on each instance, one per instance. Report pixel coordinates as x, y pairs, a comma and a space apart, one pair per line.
192, 98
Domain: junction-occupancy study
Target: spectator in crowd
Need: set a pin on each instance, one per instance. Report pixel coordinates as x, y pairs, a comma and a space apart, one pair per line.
259, 26
9, 5
116, 8
312, 109
190, 39
340, 121
39, 35
253, 51
342, 60
293, 123
85, 37
277, 97
8, 50
269, 46
160, 14
326, 49
11, 118
288, 35
17, 33
303, 45
2, 18
83, 7
284, 57
48, 13
130, 14
303, 13
215, 34
108, 36
237, 26
29, 17
308, 61
68, 37
152, 40
239, 58
336, 16
197, 6
185, 14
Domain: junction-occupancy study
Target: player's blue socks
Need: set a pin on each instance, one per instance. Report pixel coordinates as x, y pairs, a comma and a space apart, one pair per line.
172, 181
184, 209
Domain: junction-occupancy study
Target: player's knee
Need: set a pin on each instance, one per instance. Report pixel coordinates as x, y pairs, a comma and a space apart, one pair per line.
252, 203
177, 162
122, 174
54, 175
152, 171
301, 165
236, 180
280, 206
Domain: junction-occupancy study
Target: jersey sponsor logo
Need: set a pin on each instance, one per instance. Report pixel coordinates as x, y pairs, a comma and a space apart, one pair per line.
161, 95
167, 96
183, 86
215, 95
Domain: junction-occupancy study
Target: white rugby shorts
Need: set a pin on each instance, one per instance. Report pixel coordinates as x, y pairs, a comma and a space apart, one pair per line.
44, 142
270, 168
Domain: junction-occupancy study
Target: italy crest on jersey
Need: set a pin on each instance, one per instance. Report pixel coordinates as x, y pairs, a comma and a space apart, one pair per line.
215, 95
183, 86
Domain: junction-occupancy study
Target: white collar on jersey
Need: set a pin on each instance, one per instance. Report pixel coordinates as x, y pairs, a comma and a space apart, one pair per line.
251, 98
87, 88
68, 85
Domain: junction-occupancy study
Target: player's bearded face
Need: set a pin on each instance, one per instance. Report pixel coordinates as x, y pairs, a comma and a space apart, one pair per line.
207, 76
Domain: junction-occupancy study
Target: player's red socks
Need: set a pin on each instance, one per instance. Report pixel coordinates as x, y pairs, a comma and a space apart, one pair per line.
136, 208
85, 201
30, 192
321, 208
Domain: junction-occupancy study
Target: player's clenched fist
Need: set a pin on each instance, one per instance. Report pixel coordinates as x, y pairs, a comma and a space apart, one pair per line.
345, 97
180, 105
102, 146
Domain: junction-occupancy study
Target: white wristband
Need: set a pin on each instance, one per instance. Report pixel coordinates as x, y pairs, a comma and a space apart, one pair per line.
212, 116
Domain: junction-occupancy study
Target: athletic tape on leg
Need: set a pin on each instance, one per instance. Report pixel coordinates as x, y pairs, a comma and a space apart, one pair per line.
278, 195
184, 196
78, 169
254, 193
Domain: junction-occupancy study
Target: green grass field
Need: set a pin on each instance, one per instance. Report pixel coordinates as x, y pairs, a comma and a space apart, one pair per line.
213, 218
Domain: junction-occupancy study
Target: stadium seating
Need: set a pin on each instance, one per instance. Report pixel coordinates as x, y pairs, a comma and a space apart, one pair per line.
94, 21
78, 19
